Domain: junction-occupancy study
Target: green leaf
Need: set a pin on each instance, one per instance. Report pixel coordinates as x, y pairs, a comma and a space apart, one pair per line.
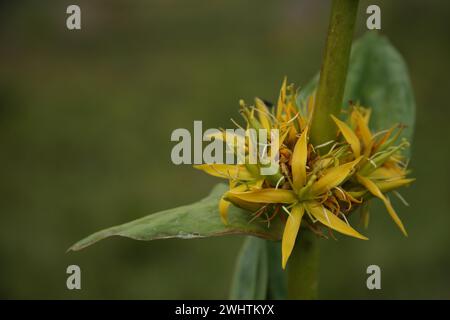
258, 273
251, 275
377, 78
277, 288
198, 220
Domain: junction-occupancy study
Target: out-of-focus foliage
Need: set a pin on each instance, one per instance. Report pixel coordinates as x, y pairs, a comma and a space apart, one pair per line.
252, 272
258, 273
85, 123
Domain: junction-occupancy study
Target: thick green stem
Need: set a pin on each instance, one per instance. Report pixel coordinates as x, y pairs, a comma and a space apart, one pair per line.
303, 267
333, 72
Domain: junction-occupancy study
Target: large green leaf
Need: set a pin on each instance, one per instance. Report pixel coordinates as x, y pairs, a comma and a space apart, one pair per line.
258, 273
198, 220
377, 78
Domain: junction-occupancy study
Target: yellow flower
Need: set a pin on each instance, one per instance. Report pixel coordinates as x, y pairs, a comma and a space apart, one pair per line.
380, 168
314, 186
306, 195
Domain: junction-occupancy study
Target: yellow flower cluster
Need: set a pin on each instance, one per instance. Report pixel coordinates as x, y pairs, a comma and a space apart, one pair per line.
317, 186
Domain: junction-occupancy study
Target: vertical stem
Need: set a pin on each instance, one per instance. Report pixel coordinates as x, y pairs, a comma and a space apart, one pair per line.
333, 72
303, 267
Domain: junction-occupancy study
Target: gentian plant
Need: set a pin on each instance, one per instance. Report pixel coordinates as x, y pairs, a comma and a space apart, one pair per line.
343, 141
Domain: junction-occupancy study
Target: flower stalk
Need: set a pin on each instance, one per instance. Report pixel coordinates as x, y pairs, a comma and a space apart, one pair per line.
303, 268
303, 271
333, 73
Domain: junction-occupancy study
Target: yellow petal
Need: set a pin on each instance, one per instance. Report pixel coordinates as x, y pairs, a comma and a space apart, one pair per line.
363, 127
281, 99
249, 206
223, 209
333, 177
357, 194
327, 218
265, 196
299, 161
386, 186
232, 139
385, 173
224, 204
292, 133
372, 187
263, 114
366, 115
239, 139
290, 232
349, 136
311, 103
237, 172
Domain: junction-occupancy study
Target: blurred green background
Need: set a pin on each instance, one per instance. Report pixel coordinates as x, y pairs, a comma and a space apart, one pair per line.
85, 124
